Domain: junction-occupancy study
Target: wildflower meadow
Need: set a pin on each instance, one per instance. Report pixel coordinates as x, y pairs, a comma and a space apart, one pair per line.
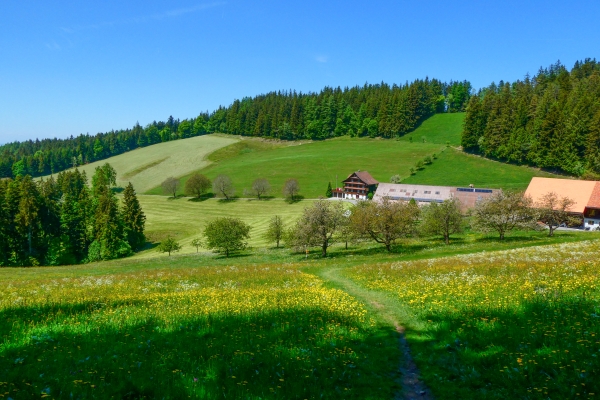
215, 332
521, 323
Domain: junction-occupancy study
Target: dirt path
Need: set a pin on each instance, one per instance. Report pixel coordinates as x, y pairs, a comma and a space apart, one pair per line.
412, 386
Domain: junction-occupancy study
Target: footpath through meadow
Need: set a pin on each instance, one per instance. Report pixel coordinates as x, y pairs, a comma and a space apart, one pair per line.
389, 313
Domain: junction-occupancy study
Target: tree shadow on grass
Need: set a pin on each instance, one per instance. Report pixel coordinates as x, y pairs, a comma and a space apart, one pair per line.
179, 196
298, 198
483, 352
290, 353
201, 198
229, 200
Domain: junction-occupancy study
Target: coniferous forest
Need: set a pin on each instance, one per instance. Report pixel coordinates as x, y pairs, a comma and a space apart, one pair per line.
64, 221
377, 110
550, 120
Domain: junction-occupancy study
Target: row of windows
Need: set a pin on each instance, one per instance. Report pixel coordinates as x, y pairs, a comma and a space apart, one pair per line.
415, 191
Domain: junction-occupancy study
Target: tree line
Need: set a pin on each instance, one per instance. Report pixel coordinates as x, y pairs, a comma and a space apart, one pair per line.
550, 120
386, 221
64, 221
374, 110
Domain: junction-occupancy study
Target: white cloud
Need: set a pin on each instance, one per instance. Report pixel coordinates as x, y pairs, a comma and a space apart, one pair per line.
144, 18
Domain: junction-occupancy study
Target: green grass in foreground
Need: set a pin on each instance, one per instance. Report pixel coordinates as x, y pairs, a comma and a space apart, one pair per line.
516, 324
204, 326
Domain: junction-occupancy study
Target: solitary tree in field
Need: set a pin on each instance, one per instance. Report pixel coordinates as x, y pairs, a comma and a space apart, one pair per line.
260, 187
318, 225
197, 185
385, 221
291, 188
197, 243
223, 187
170, 186
503, 212
443, 219
227, 235
396, 179
275, 230
554, 211
168, 245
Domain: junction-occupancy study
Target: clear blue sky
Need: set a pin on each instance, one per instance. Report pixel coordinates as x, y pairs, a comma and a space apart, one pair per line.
71, 67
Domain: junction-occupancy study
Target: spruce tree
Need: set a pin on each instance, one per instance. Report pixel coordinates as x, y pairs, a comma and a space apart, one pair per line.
329, 191
134, 219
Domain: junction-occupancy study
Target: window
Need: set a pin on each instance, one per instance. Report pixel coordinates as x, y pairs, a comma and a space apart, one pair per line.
590, 222
403, 190
427, 192
392, 190
437, 192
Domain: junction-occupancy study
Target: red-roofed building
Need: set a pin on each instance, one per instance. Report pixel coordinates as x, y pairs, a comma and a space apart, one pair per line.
585, 194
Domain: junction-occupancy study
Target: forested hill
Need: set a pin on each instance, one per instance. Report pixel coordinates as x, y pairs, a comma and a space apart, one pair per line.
551, 120
374, 110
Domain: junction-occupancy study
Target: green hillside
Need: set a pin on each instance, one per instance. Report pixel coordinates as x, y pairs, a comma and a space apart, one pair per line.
148, 166
315, 164
184, 219
455, 168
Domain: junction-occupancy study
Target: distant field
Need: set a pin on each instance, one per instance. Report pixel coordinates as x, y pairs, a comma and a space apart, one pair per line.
317, 163
455, 168
185, 219
149, 166
439, 129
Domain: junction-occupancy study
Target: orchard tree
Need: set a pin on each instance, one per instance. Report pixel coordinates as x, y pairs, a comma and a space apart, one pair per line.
170, 186
275, 230
554, 211
223, 187
227, 235
443, 219
319, 225
197, 243
169, 245
197, 185
260, 187
503, 212
291, 188
385, 221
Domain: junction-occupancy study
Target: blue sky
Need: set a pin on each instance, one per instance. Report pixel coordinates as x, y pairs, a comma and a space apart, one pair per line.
71, 67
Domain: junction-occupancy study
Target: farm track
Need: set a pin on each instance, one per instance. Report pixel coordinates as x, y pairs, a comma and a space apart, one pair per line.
382, 306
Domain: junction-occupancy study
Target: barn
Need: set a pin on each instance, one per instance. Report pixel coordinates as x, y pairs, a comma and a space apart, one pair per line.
585, 194
424, 194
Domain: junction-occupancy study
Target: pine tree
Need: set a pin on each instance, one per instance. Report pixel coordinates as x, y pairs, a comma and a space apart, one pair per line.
329, 192
134, 219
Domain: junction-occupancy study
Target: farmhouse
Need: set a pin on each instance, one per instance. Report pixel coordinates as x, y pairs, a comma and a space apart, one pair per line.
585, 194
424, 194
358, 185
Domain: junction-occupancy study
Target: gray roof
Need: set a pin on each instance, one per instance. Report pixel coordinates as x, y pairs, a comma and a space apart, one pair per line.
422, 193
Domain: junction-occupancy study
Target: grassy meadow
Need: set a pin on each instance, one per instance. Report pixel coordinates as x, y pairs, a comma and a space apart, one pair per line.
455, 168
315, 164
272, 324
148, 166
185, 218
520, 323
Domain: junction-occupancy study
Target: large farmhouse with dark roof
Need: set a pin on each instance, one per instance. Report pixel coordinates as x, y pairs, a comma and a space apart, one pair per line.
358, 185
